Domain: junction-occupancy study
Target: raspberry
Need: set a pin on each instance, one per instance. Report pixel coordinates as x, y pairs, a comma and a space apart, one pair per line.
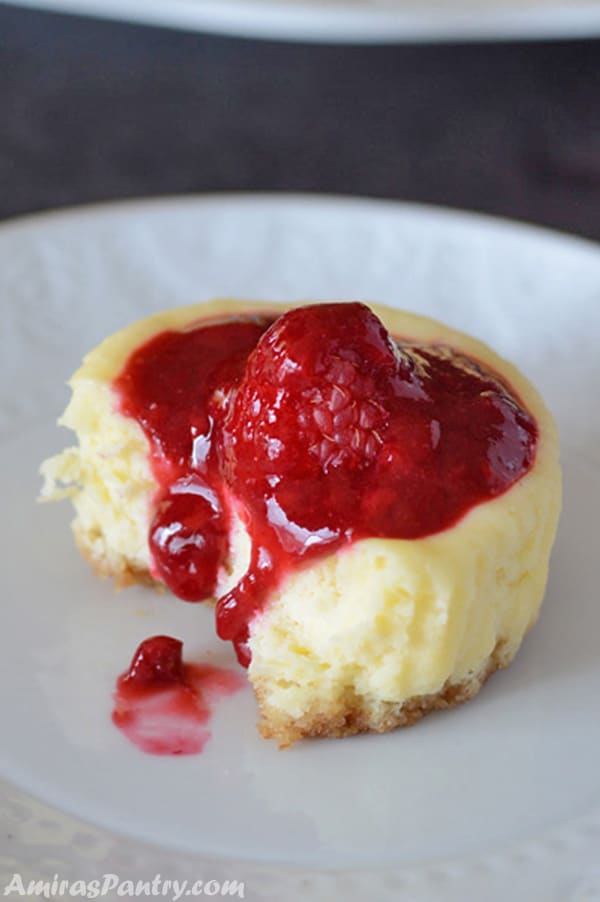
314, 395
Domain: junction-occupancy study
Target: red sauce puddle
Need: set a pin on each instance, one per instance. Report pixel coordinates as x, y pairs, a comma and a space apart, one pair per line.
324, 430
162, 705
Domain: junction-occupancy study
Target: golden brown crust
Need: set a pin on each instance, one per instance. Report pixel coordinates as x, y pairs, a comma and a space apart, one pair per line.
354, 714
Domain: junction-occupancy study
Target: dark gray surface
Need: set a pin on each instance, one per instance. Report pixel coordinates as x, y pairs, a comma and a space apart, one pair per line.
96, 110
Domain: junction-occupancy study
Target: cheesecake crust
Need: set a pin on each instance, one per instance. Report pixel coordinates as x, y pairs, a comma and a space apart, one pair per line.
353, 714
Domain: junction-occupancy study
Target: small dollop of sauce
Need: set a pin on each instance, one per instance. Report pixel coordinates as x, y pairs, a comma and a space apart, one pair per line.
163, 705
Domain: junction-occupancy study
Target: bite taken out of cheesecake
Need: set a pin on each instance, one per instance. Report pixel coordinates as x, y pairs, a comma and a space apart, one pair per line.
371, 497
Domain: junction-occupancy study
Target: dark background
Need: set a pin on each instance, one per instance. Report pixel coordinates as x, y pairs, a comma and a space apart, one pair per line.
94, 110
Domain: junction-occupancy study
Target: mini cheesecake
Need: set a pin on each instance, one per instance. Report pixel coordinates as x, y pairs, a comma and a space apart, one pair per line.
370, 496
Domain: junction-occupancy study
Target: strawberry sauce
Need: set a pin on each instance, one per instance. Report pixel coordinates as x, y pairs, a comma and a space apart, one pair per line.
324, 430
162, 705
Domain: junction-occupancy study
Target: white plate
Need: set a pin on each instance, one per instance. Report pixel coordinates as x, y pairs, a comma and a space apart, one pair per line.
359, 21
508, 769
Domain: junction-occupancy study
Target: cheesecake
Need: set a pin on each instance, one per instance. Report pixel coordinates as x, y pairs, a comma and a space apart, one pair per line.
369, 496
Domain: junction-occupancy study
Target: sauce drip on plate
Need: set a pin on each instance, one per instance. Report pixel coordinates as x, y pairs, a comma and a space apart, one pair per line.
163, 705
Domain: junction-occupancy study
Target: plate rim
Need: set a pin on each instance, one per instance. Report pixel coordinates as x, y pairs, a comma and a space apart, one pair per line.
462, 216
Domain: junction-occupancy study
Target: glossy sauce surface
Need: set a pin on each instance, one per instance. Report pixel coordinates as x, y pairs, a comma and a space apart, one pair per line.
177, 387
324, 430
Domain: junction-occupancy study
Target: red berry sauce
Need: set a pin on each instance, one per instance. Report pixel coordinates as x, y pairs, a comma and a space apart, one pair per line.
162, 705
324, 430
177, 387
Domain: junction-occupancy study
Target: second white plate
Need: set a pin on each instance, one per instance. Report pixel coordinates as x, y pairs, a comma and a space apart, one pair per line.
357, 21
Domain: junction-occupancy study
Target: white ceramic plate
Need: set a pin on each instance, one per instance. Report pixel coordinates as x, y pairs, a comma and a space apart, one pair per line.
360, 21
507, 771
